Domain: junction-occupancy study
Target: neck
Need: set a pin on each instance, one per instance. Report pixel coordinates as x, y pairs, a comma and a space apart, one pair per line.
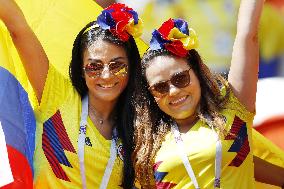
103, 109
185, 125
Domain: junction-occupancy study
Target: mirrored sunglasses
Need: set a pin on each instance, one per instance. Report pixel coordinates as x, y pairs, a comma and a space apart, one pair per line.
94, 70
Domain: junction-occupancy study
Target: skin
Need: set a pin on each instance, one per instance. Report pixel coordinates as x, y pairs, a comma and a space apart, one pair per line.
107, 87
179, 103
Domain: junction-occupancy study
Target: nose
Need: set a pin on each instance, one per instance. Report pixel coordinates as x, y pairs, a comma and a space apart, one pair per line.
106, 73
173, 90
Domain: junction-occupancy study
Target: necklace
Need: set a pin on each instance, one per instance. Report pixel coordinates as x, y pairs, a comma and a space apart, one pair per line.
94, 115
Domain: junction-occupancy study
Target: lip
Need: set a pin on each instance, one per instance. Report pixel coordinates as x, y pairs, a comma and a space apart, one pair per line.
107, 86
178, 101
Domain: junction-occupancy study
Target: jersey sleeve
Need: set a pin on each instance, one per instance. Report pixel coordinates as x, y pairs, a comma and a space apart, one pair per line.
56, 89
266, 150
261, 146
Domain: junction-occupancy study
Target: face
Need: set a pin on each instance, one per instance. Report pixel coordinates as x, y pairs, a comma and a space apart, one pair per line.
105, 70
181, 99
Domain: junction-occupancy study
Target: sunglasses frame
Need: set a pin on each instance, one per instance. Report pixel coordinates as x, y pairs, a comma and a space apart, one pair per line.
117, 73
158, 94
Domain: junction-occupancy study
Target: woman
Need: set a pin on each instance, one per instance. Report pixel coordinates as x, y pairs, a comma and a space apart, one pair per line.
84, 131
197, 125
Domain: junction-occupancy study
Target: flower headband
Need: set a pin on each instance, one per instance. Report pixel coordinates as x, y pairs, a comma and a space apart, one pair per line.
175, 36
121, 20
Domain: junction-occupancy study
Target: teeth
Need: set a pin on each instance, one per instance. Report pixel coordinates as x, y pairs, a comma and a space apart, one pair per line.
107, 86
178, 100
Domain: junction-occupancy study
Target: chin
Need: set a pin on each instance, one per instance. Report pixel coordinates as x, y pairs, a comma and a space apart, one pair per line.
108, 98
181, 115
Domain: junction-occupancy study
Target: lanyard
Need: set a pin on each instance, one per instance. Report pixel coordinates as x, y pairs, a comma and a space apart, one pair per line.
183, 155
81, 148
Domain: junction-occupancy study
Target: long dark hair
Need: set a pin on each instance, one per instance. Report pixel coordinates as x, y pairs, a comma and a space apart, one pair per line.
152, 124
124, 109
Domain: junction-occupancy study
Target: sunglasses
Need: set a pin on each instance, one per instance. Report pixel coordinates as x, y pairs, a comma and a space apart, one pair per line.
179, 80
94, 70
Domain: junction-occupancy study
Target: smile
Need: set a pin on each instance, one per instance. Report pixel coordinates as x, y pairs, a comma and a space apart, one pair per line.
107, 86
178, 101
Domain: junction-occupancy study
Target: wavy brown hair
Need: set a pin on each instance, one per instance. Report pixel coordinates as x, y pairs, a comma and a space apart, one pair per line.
152, 124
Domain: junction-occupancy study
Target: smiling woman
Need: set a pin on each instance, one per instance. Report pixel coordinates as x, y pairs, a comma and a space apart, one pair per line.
84, 127
193, 128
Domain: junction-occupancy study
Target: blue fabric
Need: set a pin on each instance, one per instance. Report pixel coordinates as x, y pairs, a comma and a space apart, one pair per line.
17, 116
181, 25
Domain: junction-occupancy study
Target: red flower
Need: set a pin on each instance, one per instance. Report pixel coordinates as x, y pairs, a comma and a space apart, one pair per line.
121, 18
123, 35
166, 28
118, 7
176, 47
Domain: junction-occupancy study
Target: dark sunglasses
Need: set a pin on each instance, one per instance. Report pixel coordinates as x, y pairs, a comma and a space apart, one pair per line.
94, 70
179, 80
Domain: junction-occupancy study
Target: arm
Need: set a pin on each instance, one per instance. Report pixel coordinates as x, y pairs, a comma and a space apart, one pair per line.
243, 73
28, 46
268, 173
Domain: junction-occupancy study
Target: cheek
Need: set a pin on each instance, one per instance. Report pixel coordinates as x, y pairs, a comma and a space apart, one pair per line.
123, 81
88, 81
161, 102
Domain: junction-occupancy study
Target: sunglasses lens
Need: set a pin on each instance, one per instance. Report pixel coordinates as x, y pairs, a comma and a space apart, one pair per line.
118, 68
181, 79
161, 87
93, 69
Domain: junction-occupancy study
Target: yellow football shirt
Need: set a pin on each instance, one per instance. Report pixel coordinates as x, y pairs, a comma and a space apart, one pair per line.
56, 155
237, 158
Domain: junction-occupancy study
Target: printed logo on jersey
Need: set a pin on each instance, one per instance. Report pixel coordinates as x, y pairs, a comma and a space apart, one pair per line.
238, 133
54, 141
159, 176
120, 151
88, 142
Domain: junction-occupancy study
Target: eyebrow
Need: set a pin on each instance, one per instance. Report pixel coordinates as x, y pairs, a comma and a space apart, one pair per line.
112, 60
118, 58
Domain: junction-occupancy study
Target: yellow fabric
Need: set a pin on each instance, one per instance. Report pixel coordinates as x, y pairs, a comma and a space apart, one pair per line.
135, 30
189, 41
201, 144
59, 95
266, 150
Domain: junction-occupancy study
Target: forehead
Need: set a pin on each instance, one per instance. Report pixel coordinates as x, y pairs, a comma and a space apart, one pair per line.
104, 50
163, 67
